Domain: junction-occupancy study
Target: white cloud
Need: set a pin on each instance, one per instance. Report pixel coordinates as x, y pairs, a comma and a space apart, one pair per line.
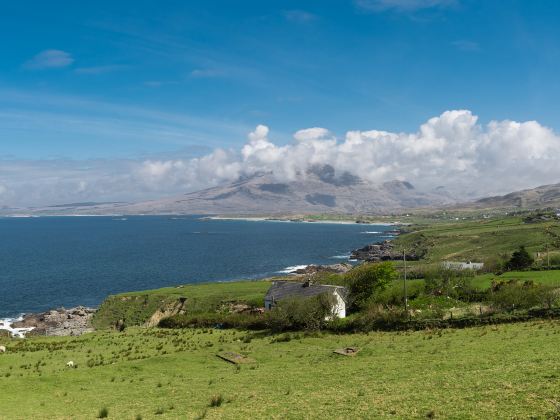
49, 59
299, 16
451, 150
402, 5
315, 133
207, 73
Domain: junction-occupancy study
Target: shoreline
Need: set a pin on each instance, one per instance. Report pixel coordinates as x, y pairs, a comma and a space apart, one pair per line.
7, 323
326, 221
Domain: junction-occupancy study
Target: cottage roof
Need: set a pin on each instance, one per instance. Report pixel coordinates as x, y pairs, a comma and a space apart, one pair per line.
285, 289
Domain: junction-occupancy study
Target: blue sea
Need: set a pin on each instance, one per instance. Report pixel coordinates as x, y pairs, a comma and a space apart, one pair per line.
48, 262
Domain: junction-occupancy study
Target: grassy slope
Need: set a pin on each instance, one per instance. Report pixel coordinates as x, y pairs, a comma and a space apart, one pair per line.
137, 307
480, 239
470, 373
551, 278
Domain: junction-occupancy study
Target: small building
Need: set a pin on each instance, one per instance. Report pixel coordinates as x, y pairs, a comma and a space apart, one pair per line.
468, 265
294, 289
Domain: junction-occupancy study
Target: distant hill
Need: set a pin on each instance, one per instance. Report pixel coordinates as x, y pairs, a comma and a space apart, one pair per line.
319, 190
543, 196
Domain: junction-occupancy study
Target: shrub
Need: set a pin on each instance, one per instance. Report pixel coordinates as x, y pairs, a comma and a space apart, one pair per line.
300, 313
365, 280
513, 295
377, 317
448, 282
394, 294
103, 413
216, 401
215, 320
554, 260
520, 260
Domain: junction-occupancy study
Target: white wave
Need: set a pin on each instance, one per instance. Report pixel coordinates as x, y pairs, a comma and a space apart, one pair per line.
292, 269
6, 324
370, 232
340, 257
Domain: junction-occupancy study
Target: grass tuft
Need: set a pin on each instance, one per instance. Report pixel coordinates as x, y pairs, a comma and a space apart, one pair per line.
103, 413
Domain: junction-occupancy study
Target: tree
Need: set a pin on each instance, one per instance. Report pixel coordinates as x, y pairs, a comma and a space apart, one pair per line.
365, 280
520, 259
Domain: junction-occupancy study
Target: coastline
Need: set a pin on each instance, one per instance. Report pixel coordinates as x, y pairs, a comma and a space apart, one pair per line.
6, 324
279, 220
16, 326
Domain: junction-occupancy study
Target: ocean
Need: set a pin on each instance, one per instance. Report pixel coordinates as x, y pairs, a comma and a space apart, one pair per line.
49, 262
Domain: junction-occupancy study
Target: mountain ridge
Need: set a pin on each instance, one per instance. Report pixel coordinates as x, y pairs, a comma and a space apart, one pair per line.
318, 191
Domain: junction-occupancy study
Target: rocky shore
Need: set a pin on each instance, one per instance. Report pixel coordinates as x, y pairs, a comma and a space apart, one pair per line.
384, 251
314, 269
58, 322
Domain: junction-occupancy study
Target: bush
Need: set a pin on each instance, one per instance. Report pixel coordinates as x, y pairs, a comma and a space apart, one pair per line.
394, 294
365, 280
300, 313
377, 317
520, 260
103, 413
216, 401
448, 282
213, 320
513, 295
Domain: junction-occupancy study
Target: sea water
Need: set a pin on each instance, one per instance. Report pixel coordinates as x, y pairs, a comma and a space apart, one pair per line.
48, 262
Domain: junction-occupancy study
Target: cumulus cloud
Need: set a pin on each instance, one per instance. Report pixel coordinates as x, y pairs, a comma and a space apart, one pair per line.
452, 150
49, 59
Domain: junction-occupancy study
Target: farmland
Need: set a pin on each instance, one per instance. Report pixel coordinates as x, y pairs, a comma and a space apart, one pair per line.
500, 371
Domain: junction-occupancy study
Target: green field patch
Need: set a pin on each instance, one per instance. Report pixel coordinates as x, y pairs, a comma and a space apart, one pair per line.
496, 371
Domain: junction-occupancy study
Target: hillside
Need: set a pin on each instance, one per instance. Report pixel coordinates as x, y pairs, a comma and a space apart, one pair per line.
486, 240
320, 190
543, 196
153, 373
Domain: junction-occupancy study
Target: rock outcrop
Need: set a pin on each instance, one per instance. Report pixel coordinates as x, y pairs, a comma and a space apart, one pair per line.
314, 269
381, 252
173, 308
59, 322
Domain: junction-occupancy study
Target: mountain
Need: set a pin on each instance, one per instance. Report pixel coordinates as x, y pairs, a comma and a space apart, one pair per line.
319, 190
543, 196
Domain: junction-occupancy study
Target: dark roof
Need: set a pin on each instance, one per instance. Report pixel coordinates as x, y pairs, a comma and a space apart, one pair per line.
284, 289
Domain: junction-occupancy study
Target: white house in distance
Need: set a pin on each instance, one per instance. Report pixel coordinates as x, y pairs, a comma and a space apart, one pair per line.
294, 289
468, 265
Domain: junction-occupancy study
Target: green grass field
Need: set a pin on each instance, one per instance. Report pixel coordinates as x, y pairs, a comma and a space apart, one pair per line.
480, 240
551, 278
136, 307
506, 371
501, 371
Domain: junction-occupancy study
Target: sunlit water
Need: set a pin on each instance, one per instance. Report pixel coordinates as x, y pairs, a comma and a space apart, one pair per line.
50, 262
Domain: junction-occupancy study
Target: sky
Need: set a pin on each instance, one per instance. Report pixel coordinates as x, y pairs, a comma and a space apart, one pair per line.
133, 100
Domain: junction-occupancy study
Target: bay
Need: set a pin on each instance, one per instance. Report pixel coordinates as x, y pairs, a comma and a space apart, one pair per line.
49, 262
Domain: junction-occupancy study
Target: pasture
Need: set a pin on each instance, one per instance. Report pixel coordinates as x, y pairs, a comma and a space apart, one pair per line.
505, 371
480, 240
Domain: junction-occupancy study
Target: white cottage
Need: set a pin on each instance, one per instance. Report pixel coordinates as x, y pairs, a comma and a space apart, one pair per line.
468, 265
294, 289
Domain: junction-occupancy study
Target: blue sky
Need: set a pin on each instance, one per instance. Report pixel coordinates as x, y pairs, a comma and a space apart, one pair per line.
84, 84
144, 77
